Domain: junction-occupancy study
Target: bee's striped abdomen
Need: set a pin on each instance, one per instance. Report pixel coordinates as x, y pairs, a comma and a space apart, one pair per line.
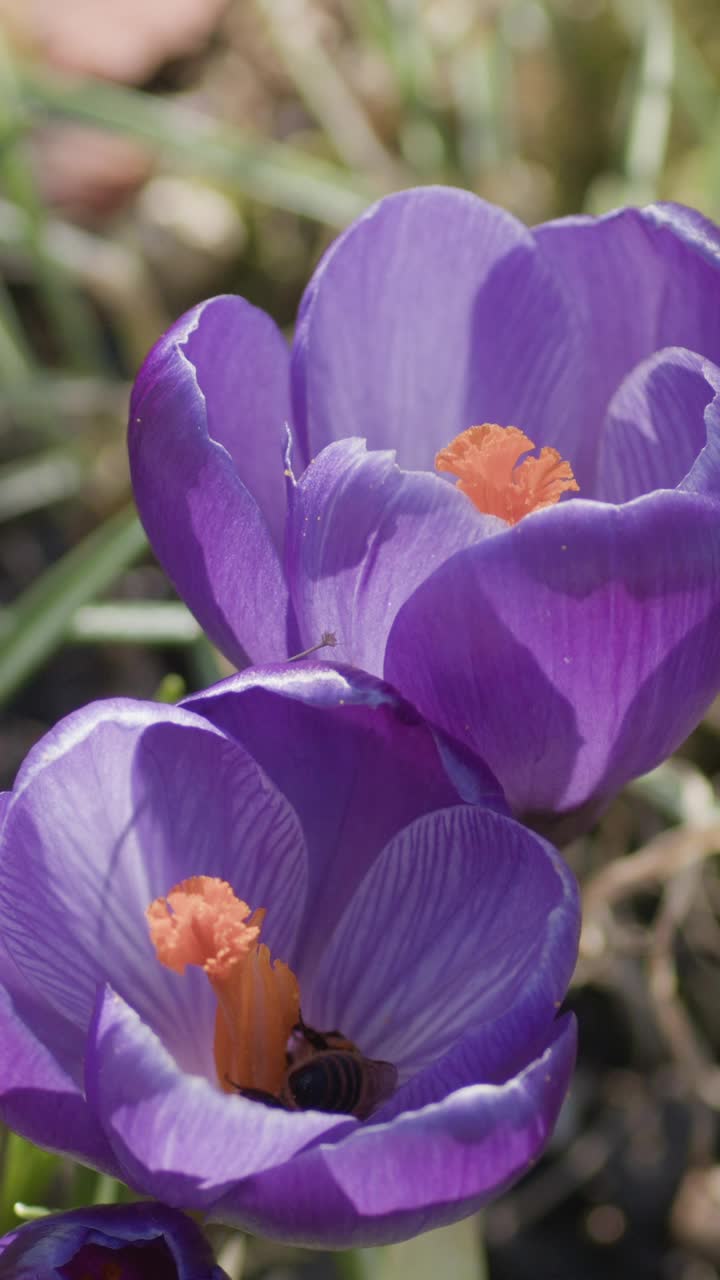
328, 1082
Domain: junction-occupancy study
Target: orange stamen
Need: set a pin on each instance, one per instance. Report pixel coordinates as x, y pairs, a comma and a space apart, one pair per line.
486, 461
201, 922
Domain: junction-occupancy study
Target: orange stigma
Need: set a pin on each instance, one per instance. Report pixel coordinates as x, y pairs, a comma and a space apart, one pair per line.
486, 462
201, 922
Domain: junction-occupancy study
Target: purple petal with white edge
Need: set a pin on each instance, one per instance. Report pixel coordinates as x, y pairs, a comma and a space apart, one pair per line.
356, 762
465, 918
116, 806
704, 474
362, 535
206, 440
431, 313
574, 651
659, 420
242, 366
386, 1183
175, 1135
634, 281
162, 1242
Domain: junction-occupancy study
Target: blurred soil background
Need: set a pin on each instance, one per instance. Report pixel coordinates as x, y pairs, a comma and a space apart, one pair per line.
153, 152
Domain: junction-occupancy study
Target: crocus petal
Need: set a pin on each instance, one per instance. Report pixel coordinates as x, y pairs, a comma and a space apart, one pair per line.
431, 313
41, 1248
658, 422
38, 1098
206, 439
357, 765
574, 651
465, 915
634, 281
175, 1135
242, 367
704, 474
362, 535
387, 1182
116, 806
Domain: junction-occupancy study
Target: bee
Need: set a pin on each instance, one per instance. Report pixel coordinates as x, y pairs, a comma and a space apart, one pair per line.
327, 1072
340, 1081
258, 1095
305, 1042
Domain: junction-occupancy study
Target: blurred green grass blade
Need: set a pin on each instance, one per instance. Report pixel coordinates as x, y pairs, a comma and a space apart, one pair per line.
30, 1212
161, 622
408, 48
38, 622
353, 1264
108, 1190
62, 408
696, 86
232, 1254
483, 79
72, 323
26, 1177
680, 791
80, 1183
205, 663
271, 172
16, 358
456, 1252
39, 480
328, 95
697, 93
113, 274
71, 320
649, 126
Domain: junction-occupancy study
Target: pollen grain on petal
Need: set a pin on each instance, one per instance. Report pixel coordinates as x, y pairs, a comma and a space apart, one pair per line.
486, 461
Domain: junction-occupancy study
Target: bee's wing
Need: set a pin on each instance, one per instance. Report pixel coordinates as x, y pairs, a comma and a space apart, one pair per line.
380, 1081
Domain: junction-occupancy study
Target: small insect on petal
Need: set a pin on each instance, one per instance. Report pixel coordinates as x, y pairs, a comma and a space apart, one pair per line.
340, 1082
327, 1072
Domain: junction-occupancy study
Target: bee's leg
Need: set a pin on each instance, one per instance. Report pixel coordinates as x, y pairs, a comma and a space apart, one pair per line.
315, 1039
258, 1095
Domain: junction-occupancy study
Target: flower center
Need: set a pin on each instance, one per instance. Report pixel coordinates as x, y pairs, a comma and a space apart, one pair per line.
485, 460
201, 922
130, 1262
263, 1047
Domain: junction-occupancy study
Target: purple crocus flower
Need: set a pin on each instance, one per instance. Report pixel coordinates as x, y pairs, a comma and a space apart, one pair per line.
573, 649
279, 955
109, 1242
